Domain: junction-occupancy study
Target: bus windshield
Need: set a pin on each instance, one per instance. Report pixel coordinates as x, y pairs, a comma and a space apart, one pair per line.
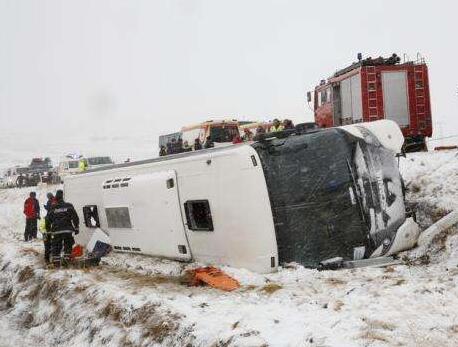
223, 133
73, 164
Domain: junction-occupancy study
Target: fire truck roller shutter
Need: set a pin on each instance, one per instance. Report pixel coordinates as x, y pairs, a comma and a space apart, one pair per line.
352, 108
395, 97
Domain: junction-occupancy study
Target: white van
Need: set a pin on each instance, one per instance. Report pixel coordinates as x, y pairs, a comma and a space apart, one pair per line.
67, 167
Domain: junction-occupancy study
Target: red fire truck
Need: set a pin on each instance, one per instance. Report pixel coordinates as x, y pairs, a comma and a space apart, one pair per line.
381, 88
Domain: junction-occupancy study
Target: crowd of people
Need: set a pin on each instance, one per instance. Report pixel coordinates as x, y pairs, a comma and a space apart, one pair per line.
175, 146
59, 225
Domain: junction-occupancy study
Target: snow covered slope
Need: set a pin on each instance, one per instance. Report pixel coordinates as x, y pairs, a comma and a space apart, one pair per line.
140, 301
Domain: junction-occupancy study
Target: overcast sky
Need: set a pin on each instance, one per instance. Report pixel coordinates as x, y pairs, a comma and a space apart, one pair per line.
152, 66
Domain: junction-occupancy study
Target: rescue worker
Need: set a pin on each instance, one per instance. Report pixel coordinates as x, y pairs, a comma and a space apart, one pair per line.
82, 165
52, 201
260, 130
247, 135
32, 214
276, 126
186, 147
62, 221
288, 124
169, 148
20, 181
173, 147
237, 139
27, 180
197, 144
209, 143
179, 146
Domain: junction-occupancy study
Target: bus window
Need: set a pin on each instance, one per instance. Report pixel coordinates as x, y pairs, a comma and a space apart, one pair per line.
223, 133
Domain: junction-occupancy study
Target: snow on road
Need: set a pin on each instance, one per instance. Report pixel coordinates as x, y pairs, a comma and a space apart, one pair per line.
132, 300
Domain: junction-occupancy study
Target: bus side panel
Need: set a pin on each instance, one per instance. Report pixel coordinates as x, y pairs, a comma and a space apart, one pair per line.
234, 185
232, 181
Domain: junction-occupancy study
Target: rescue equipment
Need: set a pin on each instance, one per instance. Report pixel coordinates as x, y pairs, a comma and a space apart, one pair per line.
213, 277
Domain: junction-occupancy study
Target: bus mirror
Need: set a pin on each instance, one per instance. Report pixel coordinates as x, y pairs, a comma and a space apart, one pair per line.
309, 97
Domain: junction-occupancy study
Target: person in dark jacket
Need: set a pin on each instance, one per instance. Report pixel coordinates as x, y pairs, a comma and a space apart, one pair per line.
162, 151
197, 144
46, 236
62, 221
169, 148
288, 124
179, 146
186, 147
32, 214
209, 143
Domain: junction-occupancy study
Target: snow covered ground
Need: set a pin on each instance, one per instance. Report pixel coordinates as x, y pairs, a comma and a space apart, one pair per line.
132, 300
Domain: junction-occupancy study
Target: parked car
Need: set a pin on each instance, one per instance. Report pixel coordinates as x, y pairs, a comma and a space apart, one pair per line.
15, 177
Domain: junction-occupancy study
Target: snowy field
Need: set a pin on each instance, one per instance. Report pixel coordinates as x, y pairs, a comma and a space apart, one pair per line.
132, 300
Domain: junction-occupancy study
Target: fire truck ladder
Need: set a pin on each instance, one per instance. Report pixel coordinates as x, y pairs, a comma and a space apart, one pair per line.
371, 82
420, 96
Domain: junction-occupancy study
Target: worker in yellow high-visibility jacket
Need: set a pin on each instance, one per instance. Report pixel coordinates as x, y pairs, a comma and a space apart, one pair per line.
82, 165
276, 126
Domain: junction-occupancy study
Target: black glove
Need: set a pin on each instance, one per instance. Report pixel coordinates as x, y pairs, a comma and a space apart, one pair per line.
77, 231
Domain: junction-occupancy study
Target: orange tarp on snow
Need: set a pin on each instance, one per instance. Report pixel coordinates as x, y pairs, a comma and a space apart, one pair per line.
213, 277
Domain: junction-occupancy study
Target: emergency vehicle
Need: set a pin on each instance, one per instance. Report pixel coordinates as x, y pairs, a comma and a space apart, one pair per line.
374, 89
220, 132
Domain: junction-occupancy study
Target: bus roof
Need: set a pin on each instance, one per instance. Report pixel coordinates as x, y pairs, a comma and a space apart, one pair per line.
210, 122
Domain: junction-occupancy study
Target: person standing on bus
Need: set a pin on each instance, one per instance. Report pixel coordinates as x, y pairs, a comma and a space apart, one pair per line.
32, 214
247, 135
186, 147
209, 143
173, 147
276, 126
179, 145
260, 130
197, 144
288, 124
237, 139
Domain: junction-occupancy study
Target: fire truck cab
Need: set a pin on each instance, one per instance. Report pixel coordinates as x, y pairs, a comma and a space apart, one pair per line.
374, 89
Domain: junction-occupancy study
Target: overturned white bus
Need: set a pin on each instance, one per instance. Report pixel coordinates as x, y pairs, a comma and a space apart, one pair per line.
303, 198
